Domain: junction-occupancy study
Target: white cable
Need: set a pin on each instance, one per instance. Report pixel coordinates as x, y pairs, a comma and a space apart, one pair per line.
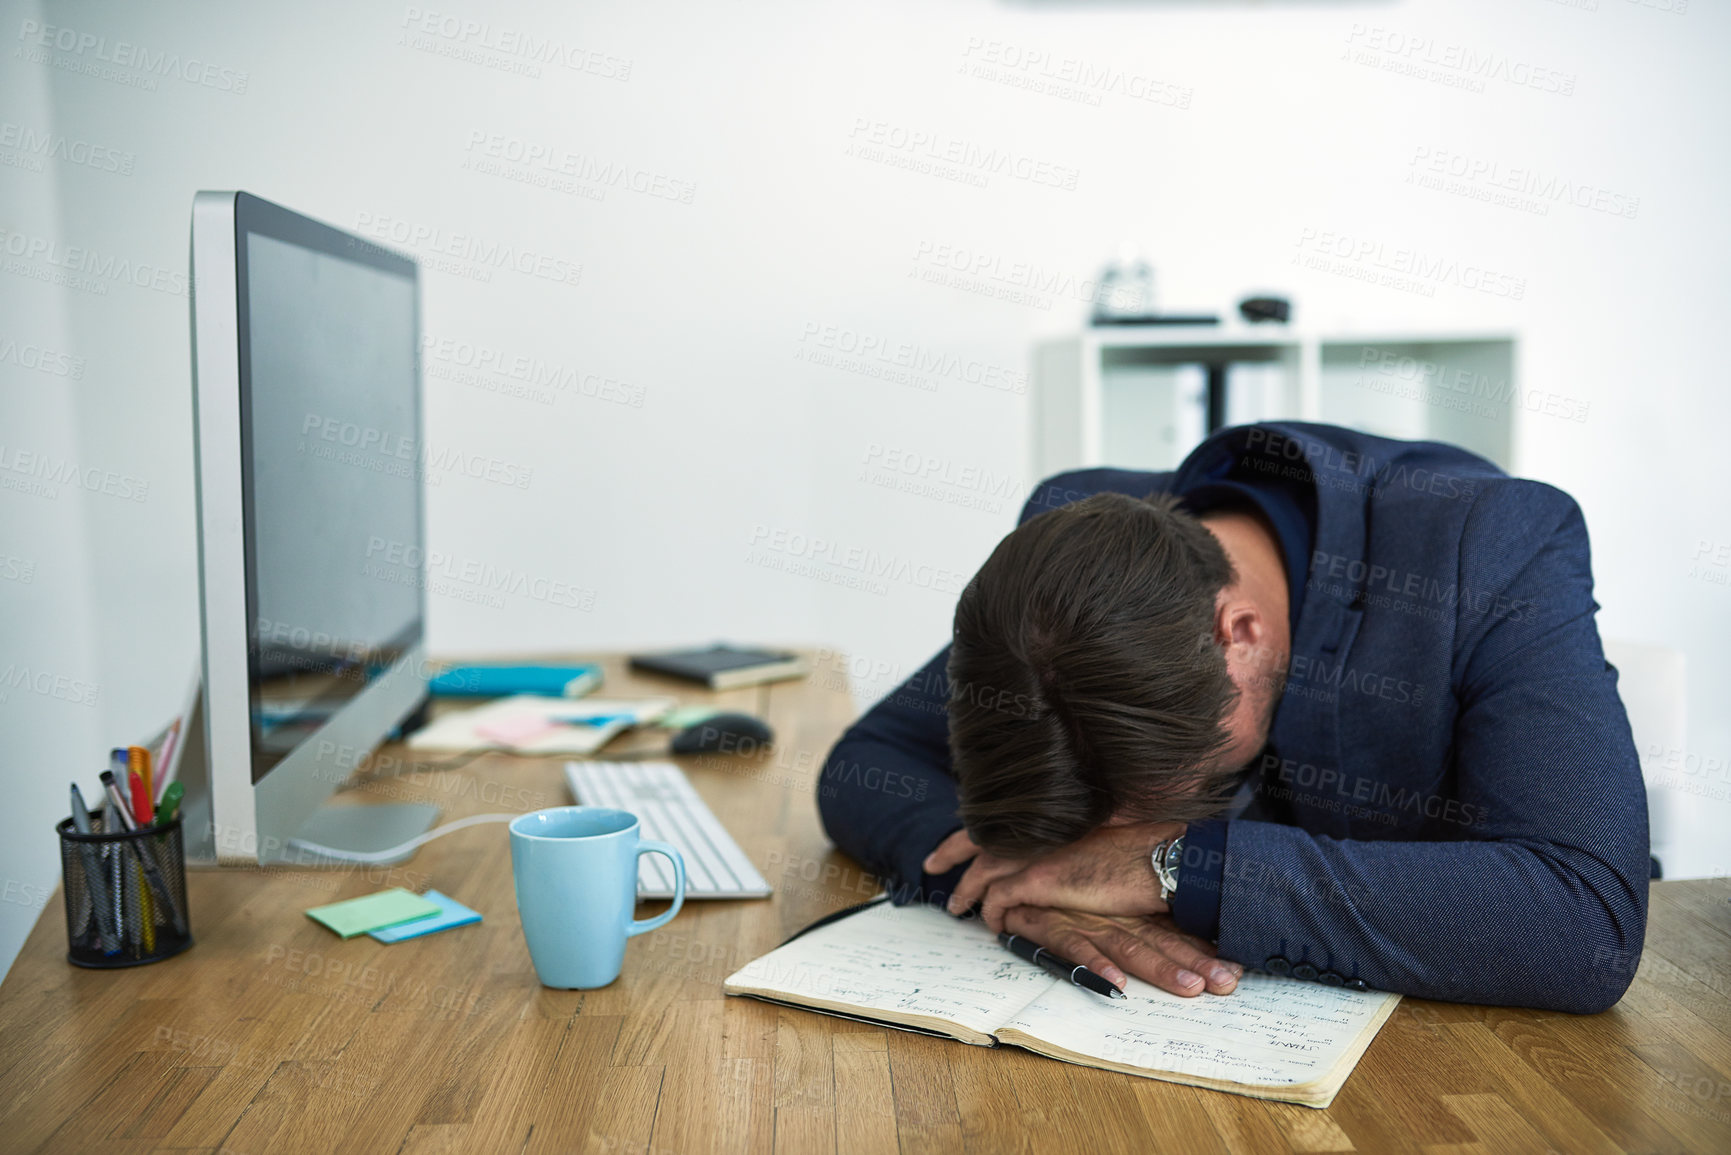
412, 844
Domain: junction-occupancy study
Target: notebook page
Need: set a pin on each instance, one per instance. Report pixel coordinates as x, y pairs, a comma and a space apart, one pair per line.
909, 960
1269, 1032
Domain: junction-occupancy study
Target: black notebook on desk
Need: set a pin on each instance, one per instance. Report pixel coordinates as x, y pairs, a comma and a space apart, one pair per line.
723, 667
915, 967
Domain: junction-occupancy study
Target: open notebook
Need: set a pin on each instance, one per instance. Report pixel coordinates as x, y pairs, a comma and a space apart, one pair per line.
916, 967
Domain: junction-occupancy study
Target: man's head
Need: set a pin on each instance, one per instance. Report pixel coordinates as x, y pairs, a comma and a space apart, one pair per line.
1110, 662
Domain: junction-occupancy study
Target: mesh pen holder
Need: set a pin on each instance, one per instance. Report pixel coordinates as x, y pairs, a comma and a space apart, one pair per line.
125, 894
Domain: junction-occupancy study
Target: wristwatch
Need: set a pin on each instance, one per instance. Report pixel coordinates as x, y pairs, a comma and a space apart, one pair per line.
1165, 860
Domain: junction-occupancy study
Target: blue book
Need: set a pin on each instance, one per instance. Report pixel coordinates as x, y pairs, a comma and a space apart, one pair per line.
502, 681
451, 913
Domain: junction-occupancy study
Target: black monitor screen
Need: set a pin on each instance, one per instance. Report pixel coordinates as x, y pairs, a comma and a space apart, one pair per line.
331, 468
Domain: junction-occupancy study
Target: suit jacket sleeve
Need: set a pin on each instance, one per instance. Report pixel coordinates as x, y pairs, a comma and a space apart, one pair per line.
886, 795
1542, 900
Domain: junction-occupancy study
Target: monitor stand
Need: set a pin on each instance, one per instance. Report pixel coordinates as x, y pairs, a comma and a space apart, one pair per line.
361, 830
356, 829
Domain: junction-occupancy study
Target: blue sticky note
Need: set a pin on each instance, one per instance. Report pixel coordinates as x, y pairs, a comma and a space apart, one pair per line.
451, 913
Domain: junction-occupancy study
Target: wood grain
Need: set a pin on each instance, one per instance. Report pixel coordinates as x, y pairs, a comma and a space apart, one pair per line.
272, 1035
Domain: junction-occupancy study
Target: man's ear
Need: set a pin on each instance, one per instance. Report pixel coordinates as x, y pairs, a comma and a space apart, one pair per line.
1239, 628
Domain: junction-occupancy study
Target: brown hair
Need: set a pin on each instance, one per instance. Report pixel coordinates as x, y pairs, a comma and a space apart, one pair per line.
1085, 678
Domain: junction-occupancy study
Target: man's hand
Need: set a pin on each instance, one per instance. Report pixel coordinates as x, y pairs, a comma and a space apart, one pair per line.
1152, 949
1107, 872
959, 848
952, 851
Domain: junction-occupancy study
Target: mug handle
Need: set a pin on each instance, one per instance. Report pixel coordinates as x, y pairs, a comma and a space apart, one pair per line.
638, 926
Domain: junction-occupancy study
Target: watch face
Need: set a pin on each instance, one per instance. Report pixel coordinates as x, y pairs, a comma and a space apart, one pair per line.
1168, 870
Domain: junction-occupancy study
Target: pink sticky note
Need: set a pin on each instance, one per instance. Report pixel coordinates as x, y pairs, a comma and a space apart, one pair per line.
516, 731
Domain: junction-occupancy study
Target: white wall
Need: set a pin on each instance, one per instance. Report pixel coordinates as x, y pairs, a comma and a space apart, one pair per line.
54, 702
1264, 133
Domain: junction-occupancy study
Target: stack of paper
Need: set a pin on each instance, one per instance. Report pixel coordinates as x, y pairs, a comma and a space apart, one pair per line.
527, 724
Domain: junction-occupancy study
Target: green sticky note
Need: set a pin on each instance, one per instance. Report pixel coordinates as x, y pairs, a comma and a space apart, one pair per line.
373, 911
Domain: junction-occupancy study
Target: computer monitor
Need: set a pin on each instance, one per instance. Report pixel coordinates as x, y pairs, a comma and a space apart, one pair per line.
307, 436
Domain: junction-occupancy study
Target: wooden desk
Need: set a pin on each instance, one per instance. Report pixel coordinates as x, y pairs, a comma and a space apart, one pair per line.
273, 1035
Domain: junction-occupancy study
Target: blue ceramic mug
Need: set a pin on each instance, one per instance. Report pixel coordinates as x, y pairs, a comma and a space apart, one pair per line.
576, 873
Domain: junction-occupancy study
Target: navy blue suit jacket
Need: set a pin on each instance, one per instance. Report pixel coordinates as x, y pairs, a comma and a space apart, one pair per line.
1450, 805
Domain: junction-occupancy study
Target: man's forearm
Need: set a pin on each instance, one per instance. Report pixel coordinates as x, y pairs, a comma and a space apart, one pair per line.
885, 794
888, 830
1510, 922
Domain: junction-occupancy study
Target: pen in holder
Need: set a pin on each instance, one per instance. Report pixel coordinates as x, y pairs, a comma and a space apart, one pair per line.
125, 894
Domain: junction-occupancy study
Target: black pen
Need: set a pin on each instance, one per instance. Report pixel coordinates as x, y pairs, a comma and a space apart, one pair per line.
1063, 968
146, 859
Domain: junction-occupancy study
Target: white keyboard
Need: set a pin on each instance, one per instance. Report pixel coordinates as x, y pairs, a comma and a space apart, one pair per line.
669, 809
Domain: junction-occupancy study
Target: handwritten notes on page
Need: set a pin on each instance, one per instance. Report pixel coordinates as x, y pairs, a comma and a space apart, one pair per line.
901, 961
1270, 1032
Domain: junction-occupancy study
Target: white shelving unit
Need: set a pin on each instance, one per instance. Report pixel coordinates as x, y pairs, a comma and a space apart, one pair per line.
1137, 395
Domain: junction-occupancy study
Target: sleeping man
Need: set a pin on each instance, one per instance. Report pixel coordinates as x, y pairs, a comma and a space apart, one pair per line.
1317, 703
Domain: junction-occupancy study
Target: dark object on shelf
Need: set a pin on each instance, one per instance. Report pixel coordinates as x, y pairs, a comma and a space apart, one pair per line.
1257, 309
1164, 319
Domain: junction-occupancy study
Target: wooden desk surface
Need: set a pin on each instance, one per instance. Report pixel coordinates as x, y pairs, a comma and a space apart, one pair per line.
273, 1035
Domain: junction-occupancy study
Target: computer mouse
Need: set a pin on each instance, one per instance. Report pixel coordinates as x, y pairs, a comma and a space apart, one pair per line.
724, 734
